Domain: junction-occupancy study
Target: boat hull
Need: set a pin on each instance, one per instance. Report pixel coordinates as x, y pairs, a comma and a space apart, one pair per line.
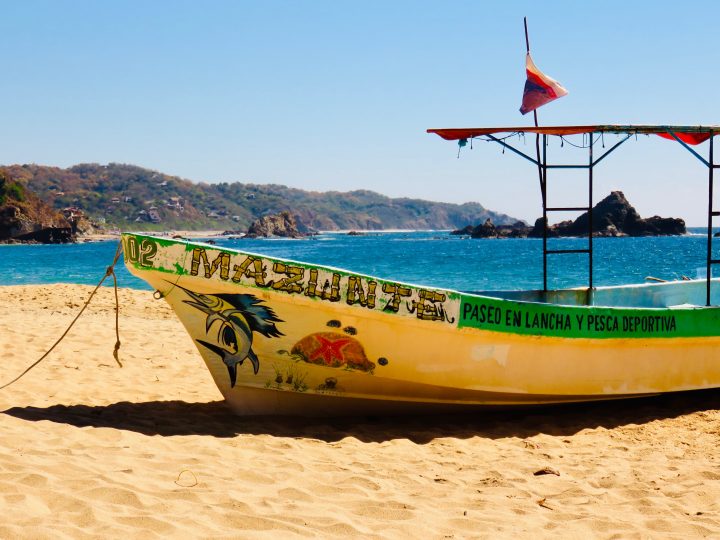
281, 337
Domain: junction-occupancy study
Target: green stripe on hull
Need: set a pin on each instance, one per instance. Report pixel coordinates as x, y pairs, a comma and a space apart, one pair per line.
586, 321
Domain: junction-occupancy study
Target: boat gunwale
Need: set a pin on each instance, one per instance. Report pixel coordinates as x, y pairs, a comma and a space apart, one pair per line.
470, 294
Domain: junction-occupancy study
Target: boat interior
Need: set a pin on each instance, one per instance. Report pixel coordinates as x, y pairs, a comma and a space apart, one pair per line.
683, 294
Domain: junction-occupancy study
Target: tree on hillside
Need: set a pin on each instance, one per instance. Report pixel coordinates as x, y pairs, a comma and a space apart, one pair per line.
10, 190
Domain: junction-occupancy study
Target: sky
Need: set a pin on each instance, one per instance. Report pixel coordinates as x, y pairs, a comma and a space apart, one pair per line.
337, 95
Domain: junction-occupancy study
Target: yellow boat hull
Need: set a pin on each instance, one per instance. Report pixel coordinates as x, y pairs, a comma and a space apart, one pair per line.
289, 338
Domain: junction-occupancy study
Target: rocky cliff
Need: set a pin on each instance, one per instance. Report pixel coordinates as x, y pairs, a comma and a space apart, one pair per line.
25, 218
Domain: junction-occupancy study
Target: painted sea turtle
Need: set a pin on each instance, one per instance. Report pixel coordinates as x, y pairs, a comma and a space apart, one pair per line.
333, 349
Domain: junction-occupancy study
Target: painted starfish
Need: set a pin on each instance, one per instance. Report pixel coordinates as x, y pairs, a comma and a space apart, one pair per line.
329, 349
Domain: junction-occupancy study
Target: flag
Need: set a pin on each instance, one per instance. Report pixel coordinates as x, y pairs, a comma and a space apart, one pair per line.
539, 88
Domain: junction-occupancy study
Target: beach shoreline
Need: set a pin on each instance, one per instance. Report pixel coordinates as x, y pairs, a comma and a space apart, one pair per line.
89, 449
104, 236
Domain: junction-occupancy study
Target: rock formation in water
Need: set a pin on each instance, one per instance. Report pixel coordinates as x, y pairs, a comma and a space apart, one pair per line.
283, 224
613, 216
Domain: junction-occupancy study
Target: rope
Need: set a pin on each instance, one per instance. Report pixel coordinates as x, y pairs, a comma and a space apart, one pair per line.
109, 272
584, 143
159, 295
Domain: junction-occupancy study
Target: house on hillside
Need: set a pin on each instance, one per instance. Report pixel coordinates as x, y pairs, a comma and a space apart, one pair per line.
154, 215
72, 212
176, 203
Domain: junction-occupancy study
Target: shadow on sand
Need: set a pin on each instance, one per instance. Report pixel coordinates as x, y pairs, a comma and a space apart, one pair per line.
214, 419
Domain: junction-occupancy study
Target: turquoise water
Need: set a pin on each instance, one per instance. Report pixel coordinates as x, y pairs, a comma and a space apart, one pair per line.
428, 258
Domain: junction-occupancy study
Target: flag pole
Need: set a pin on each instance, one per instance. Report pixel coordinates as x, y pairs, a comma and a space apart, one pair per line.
527, 50
537, 135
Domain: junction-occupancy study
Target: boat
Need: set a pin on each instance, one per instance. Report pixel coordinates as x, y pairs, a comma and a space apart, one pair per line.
283, 337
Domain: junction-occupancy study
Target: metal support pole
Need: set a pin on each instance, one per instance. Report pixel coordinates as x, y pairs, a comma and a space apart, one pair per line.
711, 170
590, 216
543, 188
537, 135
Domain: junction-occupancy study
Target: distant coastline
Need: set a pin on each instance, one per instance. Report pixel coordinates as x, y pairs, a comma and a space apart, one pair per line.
118, 196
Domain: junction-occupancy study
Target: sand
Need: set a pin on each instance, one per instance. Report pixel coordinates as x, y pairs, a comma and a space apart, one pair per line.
90, 450
115, 235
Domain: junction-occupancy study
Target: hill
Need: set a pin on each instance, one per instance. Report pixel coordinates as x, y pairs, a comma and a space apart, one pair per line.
130, 197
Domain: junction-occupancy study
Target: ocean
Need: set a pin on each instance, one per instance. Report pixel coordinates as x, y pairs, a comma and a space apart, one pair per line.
432, 258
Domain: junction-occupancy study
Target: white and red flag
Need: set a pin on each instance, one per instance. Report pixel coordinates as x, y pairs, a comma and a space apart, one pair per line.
539, 88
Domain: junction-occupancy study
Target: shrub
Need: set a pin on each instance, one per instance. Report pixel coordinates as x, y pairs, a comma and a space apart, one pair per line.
10, 190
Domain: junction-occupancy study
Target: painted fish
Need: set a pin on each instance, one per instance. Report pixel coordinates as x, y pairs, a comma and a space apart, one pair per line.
239, 316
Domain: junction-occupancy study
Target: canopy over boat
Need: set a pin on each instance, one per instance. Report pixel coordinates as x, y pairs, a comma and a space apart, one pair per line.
687, 134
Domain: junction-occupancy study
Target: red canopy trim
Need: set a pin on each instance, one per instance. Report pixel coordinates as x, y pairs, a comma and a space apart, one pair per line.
689, 138
687, 134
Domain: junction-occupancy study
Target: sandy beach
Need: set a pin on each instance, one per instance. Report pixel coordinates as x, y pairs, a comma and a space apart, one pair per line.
92, 450
115, 235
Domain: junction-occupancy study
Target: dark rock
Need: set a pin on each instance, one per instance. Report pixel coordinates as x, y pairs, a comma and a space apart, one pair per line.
519, 229
486, 230
356, 233
48, 235
464, 231
282, 224
614, 216
553, 230
666, 226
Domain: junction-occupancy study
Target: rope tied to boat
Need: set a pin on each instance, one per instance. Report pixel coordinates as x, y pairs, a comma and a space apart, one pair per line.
110, 271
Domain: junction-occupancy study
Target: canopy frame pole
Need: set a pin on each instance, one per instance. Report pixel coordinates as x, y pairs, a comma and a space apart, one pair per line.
615, 146
543, 187
710, 164
513, 149
693, 152
540, 164
590, 213
543, 192
711, 213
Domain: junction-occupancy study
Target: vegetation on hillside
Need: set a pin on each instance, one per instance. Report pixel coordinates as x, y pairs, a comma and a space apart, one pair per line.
130, 197
10, 191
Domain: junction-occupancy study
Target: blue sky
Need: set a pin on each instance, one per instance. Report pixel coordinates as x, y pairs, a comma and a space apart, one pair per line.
337, 95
